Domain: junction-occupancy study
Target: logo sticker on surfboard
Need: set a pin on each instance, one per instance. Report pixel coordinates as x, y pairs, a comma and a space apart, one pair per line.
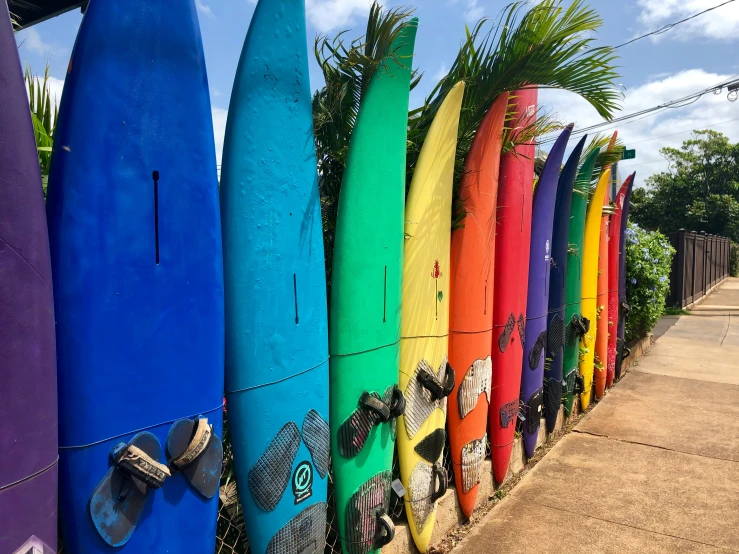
302, 482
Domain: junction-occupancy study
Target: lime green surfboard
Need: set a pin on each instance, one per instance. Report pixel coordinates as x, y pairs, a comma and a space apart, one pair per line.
573, 284
364, 334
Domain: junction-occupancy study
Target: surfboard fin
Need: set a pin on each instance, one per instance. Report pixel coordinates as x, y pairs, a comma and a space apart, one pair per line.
119, 500
196, 452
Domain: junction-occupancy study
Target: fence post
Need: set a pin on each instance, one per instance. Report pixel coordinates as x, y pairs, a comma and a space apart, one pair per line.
705, 260
677, 282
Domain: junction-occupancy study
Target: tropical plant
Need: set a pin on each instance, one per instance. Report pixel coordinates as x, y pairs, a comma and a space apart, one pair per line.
648, 265
607, 157
544, 45
44, 112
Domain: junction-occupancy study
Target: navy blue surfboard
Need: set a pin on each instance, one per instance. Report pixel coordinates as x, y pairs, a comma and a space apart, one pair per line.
277, 336
135, 235
556, 324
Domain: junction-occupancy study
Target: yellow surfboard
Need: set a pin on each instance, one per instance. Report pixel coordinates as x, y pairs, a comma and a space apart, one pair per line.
425, 378
591, 247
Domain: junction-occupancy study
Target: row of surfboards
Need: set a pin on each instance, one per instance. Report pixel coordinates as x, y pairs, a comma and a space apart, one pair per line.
152, 273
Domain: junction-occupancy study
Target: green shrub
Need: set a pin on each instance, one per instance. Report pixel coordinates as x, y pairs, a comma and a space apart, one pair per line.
648, 262
734, 260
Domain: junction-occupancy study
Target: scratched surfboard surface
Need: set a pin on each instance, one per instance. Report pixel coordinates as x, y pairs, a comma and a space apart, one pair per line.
276, 320
136, 254
28, 409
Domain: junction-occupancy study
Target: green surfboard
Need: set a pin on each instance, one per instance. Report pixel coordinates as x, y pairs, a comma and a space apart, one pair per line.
364, 335
573, 286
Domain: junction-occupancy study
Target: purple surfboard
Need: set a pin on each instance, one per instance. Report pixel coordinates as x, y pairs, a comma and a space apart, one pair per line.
537, 306
28, 410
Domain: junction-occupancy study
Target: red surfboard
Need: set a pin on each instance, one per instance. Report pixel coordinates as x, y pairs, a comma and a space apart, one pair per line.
513, 235
613, 278
470, 304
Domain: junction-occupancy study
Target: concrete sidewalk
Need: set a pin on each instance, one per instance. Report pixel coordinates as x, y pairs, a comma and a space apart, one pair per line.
653, 468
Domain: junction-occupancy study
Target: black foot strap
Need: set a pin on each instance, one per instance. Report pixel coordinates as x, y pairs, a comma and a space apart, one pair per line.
436, 389
385, 530
441, 482
372, 410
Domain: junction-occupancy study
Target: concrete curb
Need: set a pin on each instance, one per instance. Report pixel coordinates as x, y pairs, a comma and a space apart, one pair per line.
449, 516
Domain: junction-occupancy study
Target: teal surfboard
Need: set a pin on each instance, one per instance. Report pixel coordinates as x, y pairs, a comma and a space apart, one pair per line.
276, 321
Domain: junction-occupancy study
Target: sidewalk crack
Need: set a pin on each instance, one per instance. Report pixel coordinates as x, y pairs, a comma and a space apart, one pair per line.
638, 443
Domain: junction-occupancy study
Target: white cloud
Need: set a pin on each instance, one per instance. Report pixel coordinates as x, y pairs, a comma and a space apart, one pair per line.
473, 12
204, 9
327, 15
719, 24
647, 135
219, 130
30, 40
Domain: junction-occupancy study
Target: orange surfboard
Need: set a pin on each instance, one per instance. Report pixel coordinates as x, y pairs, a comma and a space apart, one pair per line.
601, 338
471, 307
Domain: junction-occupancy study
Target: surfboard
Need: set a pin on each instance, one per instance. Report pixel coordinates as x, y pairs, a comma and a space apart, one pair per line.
426, 378
136, 254
622, 300
28, 407
471, 269
601, 342
613, 263
512, 237
364, 332
275, 289
575, 326
591, 246
558, 272
537, 303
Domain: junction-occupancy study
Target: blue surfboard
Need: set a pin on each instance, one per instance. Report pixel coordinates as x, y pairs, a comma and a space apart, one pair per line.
276, 321
138, 279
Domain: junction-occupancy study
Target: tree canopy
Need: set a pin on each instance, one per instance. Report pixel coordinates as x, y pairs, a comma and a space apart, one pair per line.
699, 192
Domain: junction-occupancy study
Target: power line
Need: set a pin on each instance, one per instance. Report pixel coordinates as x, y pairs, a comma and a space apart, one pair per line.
687, 130
649, 112
670, 26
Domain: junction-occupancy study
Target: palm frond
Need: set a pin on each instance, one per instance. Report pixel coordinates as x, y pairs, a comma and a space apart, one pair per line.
347, 69
607, 156
15, 22
44, 110
545, 45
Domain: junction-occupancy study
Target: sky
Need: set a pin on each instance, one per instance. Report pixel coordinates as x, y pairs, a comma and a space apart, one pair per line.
689, 58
